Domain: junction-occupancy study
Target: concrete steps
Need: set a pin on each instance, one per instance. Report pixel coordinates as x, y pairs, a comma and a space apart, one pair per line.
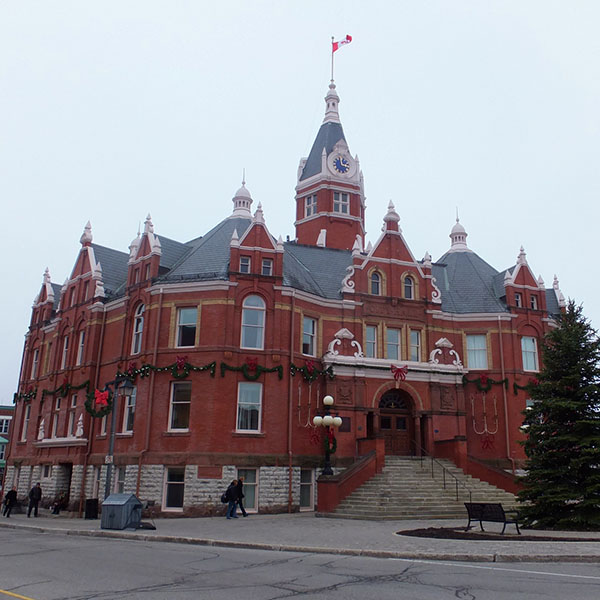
405, 489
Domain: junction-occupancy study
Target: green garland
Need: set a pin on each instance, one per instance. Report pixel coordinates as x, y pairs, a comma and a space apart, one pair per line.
484, 383
64, 388
331, 449
26, 397
90, 403
312, 373
179, 370
252, 373
530, 384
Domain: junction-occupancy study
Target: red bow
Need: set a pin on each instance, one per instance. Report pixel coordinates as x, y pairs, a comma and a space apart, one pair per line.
330, 436
101, 397
483, 379
131, 367
399, 373
310, 367
180, 362
252, 363
534, 381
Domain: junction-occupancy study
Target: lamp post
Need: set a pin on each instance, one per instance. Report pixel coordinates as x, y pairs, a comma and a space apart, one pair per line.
328, 421
126, 387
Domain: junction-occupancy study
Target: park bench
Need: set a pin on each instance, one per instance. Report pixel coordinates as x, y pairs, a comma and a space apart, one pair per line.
489, 511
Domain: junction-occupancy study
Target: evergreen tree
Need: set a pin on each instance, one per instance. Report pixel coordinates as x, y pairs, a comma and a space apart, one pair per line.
562, 485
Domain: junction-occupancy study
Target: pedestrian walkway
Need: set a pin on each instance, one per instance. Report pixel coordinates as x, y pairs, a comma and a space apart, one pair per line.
303, 532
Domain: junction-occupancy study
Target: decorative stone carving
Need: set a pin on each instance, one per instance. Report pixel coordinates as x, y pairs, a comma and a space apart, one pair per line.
41, 434
436, 295
343, 334
347, 283
79, 430
443, 344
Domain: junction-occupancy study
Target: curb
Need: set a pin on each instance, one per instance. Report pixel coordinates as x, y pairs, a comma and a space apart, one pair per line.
482, 557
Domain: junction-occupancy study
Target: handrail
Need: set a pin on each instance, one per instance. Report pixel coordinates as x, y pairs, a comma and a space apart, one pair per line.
423, 453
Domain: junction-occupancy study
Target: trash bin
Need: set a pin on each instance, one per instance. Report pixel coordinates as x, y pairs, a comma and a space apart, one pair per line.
121, 511
91, 508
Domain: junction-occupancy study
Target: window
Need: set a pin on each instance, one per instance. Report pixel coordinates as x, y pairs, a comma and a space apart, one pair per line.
47, 358
253, 322
103, 423
34, 363
4, 425
309, 332
415, 345
136, 276
181, 396
2, 452
129, 412
85, 290
310, 206
138, 329
119, 481
65, 352
409, 288
249, 406
147, 272
250, 488
375, 283
55, 418
267, 266
80, 348
72, 297
186, 326
26, 416
529, 353
46, 471
71, 424
393, 344
341, 203
245, 264
518, 300
307, 493
371, 341
174, 488
533, 302
477, 352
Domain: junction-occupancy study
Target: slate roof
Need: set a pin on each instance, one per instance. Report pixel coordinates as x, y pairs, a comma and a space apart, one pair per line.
114, 267
316, 270
172, 251
329, 134
208, 257
467, 284
56, 289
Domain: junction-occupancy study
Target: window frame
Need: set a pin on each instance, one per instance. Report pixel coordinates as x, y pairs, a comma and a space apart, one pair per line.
5, 424
266, 267
175, 385
390, 343
244, 330
129, 405
245, 265
80, 348
518, 300
25, 423
245, 385
474, 354
34, 363
418, 345
311, 336
65, 353
371, 344
311, 493
533, 302
408, 285
375, 284
310, 206
248, 485
138, 329
180, 331
166, 483
530, 353
71, 421
341, 203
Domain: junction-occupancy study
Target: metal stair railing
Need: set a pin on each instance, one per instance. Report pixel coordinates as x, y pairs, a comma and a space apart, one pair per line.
424, 455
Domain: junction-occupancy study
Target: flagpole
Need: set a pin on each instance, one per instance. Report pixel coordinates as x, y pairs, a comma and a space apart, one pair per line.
332, 38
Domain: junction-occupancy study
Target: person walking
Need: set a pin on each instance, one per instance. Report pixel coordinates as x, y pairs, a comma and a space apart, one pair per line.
232, 497
10, 501
35, 495
240, 492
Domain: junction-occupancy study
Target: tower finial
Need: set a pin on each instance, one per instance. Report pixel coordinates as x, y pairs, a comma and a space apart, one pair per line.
244, 176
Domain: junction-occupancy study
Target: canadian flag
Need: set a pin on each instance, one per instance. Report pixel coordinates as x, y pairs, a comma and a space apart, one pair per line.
336, 45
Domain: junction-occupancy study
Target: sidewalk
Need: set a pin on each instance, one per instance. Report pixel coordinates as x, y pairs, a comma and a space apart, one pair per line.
303, 532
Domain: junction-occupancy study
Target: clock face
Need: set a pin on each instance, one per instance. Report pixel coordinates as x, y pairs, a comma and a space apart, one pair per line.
340, 164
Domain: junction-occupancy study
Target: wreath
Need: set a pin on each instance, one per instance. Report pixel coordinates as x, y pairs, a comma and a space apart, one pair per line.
330, 443
102, 399
251, 370
484, 383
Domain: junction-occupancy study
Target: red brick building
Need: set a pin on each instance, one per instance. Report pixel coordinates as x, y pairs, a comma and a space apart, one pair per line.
233, 339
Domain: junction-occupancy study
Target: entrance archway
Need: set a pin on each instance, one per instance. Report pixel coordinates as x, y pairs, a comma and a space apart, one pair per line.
396, 422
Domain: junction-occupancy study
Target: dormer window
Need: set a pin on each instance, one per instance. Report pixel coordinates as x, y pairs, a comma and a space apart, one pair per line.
341, 203
310, 206
533, 302
267, 266
244, 264
518, 300
409, 288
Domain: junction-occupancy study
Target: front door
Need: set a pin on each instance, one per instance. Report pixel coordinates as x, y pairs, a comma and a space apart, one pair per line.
395, 422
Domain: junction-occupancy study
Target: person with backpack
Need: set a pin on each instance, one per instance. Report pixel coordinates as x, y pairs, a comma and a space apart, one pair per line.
231, 496
10, 501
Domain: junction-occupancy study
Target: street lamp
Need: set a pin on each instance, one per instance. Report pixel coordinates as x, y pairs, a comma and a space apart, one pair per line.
327, 421
123, 384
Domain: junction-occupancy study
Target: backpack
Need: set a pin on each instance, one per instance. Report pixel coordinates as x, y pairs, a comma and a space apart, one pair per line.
224, 498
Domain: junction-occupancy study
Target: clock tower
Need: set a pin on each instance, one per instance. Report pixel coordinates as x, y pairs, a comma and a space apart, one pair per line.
330, 199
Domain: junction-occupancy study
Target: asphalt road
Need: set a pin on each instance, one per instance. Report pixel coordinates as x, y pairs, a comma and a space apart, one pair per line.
51, 567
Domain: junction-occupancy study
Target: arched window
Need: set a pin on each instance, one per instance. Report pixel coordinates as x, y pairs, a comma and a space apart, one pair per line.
375, 283
253, 322
409, 288
138, 329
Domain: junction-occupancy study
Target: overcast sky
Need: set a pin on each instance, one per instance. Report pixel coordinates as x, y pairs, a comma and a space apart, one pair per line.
110, 110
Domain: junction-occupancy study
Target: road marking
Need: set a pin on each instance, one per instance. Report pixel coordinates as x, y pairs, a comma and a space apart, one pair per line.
16, 595
521, 571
